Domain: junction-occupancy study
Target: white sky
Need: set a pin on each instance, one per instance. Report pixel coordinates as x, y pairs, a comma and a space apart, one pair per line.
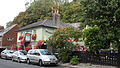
10, 9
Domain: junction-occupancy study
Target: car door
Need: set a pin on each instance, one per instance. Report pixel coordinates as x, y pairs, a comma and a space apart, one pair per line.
36, 56
31, 56
15, 55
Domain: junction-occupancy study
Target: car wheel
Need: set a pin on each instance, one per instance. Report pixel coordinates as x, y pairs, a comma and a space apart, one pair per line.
6, 57
18, 60
56, 64
1, 57
12, 59
28, 61
40, 63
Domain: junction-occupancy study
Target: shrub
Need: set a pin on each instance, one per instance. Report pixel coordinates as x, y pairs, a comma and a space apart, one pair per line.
74, 60
65, 55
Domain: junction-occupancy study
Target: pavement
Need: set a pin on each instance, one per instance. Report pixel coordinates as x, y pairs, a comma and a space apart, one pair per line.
85, 65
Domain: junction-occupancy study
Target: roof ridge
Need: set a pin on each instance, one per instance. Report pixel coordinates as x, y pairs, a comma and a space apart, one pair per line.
44, 22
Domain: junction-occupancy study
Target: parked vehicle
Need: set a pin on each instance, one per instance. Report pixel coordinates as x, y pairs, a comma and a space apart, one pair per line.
1, 49
7, 54
19, 56
41, 56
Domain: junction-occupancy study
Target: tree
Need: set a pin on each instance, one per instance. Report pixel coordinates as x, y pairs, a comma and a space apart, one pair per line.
60, 42
42, 9
93, 39
71, 12
8, 24
62, 35
104, 14
24, 18
37, 11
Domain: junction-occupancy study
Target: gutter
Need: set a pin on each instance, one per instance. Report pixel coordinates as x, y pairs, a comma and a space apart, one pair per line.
35, 27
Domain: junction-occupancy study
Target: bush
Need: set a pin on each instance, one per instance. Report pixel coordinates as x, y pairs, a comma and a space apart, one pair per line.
65, 55
74, 60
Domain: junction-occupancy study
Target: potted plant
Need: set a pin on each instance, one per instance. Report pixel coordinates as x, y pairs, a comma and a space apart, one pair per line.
20, 37
34, 37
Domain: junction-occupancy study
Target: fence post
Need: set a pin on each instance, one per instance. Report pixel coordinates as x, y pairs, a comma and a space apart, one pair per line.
118, 59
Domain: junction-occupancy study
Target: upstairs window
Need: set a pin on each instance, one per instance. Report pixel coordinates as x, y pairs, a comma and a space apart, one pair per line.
10, 39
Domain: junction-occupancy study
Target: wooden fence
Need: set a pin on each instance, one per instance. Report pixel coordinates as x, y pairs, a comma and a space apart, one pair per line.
104, 58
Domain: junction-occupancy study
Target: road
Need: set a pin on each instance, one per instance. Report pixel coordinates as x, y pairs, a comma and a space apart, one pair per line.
10, 64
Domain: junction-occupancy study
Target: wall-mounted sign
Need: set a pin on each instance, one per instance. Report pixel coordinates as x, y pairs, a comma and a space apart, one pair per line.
28, 37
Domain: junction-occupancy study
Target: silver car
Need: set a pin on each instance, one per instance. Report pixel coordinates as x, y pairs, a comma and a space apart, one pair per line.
41, 56
7, 54
19, 56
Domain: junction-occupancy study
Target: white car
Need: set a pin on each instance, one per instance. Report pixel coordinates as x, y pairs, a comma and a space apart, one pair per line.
19, 56
7, 54
41, 56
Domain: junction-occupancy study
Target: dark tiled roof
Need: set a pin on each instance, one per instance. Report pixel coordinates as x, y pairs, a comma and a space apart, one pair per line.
2, 32
75, 25
45, 23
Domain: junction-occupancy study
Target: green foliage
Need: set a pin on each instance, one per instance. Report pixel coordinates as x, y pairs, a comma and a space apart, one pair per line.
91, 38
37, 11
59, 41
64, 55
8, 24
104, 14
61, 36
71, 12
74, 60
42, 9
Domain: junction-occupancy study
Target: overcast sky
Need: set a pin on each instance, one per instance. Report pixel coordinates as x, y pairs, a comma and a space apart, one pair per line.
10, 9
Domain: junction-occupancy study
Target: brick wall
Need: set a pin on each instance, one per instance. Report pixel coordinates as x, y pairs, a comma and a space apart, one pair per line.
10, 34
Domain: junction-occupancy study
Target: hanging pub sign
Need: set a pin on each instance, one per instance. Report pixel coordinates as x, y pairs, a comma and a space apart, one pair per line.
27, 37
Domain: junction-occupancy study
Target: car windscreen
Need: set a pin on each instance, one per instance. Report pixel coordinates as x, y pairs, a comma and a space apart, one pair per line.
45, 52
9, 51
23, 53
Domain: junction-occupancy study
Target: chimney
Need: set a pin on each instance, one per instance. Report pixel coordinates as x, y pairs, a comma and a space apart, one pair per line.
56, 16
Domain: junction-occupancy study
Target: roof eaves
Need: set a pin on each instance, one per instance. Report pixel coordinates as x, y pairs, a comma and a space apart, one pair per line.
27, 28
31, 25
37, 26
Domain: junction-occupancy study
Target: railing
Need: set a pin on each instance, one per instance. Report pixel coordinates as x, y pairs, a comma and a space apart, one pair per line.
105, 58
